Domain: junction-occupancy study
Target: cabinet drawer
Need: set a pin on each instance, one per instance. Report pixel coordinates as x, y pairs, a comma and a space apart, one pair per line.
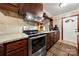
18, 52
22, 43
15, 45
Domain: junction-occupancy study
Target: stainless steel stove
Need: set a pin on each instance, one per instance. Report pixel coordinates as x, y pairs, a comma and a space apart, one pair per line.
36, 43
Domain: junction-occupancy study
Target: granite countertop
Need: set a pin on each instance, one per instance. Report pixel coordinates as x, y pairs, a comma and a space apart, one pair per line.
16, 36
12, 37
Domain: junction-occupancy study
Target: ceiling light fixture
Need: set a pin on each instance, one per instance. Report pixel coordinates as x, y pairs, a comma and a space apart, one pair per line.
62, 5
29, 16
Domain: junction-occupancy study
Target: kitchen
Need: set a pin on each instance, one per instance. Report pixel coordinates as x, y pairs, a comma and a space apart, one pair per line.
27, 29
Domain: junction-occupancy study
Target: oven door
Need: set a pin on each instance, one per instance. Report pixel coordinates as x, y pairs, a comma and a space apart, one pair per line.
36, 45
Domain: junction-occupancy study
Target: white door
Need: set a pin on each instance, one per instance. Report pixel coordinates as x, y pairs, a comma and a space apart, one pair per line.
70, 29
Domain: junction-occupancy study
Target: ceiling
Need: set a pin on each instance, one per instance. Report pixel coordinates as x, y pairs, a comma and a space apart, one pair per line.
54, 9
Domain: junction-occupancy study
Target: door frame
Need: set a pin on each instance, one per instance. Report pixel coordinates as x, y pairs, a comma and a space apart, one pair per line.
62, 24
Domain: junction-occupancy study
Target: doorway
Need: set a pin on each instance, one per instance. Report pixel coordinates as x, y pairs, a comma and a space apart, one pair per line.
70, 29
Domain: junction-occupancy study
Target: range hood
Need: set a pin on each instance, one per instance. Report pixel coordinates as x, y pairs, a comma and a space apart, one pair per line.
33, 17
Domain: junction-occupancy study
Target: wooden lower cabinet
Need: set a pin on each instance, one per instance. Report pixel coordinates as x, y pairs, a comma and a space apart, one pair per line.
19, 52
78, 43
15, 48
1, 50
48, 40
51, 39
78, 49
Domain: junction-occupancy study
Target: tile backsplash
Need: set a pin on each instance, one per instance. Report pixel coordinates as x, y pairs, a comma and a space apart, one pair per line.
13, 25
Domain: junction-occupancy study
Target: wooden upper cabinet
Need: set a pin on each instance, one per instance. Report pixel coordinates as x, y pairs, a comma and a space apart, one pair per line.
9, 7
15, 4
32, 7
22, 8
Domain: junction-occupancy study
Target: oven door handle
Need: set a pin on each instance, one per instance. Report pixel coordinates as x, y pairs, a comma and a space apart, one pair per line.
36, 37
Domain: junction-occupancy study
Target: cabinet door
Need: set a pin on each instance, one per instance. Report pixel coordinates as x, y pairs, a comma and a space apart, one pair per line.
16, 48
9, 7
15, 45
48, 41
1, 51
58, 36
52, 39
78, 43
19, 52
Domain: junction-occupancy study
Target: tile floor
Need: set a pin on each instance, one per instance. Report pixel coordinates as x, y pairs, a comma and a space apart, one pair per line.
62, 49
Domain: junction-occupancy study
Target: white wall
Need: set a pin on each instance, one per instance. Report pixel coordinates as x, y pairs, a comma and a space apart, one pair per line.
58, 18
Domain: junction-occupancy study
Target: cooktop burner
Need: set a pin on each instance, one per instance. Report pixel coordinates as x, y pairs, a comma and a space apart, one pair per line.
32, 33
29, 32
